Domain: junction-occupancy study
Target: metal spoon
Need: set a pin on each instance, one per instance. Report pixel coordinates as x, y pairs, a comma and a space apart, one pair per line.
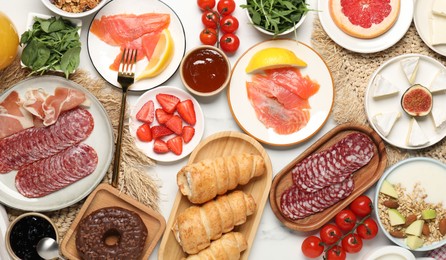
48, 248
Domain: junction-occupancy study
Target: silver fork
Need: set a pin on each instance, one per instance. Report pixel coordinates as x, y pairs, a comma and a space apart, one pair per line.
126, 77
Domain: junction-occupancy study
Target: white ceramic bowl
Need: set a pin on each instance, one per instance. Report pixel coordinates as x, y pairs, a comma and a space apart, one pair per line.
55, 9
389, 252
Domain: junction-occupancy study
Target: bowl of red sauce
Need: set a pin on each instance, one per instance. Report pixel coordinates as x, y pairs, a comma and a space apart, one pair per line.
205, 70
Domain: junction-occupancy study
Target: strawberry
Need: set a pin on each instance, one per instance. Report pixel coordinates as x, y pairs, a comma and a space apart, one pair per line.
175, 144
188, 133
168, 102
187, 111
145, 114
143, 133
162, 116
159, 146
175, 124
160, 131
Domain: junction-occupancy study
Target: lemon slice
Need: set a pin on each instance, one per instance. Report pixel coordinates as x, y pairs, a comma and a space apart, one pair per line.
273, 58
160, 58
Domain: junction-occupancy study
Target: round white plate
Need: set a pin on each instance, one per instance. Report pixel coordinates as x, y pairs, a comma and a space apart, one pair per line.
102, 54
321, 103
421, 16
101, 139
382, 42
391, 70
147, 147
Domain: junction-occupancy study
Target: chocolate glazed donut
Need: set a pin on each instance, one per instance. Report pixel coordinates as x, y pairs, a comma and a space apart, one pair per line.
111, 233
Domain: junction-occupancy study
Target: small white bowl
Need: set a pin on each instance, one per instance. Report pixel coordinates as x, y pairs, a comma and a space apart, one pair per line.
292, 29
389, 252
55, 9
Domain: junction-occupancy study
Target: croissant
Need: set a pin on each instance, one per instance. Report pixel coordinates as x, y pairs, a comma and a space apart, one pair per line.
204, 180
195, 227
228, 247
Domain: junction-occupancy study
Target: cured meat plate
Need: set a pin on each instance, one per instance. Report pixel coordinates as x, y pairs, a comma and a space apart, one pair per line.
364, 178
101, 139
216, 145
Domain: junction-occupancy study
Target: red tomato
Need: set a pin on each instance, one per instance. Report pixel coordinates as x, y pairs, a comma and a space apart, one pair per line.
208, 36
312, 247
228, 24
229, 42
336, 253
361, 206
352, 243
345, 219
368, 229
226, 7
205, 4
210, 19
330, 234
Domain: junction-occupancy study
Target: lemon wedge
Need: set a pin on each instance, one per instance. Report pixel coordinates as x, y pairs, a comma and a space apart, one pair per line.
273, 58
160, 58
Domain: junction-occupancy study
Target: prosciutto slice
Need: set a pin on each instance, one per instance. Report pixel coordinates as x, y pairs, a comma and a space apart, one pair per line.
63, 99
13, 118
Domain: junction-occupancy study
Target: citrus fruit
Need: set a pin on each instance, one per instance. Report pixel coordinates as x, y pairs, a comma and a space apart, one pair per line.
273, 58
9, 41
364, 18
160, 58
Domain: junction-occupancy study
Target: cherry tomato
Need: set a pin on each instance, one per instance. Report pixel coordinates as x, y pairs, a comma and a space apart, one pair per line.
361, 206
205, 4
144, 133
368, 229
229, 42
352, 243
330, 234
312, 247
208, 36
229, 24
336, 253
210, 19
226, 7
345, 220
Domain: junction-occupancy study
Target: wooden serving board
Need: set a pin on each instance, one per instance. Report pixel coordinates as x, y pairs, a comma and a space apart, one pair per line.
223, 144
107, 196
363, 178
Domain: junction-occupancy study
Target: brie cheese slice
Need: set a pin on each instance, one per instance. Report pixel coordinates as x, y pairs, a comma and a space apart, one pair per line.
439, 82
383, 87
438, 114
439, 7
438, 27
416, 136
410, 68
385, 121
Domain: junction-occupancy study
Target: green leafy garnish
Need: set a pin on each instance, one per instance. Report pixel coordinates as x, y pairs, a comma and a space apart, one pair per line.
51, 44
276, 16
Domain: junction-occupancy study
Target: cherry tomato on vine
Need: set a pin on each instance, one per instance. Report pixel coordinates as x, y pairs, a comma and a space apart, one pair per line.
336, 253
330, 234
361, 206
210, 19
229, 42
352, 243
228, 24
312, 247
205, 4
368, 229
226, 7
208, 36
345, 220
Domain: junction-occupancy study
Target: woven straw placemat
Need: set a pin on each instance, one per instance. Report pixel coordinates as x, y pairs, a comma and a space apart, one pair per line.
133, 178
351, 72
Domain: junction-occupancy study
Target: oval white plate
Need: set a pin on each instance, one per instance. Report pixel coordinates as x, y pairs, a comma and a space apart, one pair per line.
423, 11
321, 103
391, 70
382, 42
102, 54
147, 147
101, 139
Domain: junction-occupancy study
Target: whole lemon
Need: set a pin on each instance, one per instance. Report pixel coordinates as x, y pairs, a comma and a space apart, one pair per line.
9, 41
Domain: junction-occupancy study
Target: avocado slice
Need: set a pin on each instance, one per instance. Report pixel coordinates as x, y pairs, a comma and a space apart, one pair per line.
388, 189
395, 217
414, 242
429, 214
415, 228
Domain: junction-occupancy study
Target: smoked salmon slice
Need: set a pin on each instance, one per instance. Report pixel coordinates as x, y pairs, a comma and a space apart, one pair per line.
292, 79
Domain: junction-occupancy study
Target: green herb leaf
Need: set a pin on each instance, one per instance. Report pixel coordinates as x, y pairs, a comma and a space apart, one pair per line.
70, 60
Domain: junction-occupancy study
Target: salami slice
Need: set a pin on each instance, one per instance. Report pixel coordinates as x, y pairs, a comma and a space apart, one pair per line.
34, 144
76, 162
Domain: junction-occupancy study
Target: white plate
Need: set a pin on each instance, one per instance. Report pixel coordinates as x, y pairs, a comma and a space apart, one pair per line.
321, 103
423, 10
391, 70
147, 147
382, 42
102, 54
4, 222
101, 139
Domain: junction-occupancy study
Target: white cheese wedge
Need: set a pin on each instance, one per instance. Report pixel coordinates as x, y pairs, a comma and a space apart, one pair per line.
383, 87
385, 121
438, 27
439, 7
416, 136
439, 82
410, 68
438, 115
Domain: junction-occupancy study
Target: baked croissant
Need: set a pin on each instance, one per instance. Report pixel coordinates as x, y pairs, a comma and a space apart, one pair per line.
228, 247
204, 180
195, 227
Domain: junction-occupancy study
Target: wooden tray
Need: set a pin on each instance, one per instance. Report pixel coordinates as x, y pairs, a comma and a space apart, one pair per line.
363, 178
106, 196
223, 144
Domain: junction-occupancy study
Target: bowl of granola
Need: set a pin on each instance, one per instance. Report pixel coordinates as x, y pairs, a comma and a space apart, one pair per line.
74, 8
